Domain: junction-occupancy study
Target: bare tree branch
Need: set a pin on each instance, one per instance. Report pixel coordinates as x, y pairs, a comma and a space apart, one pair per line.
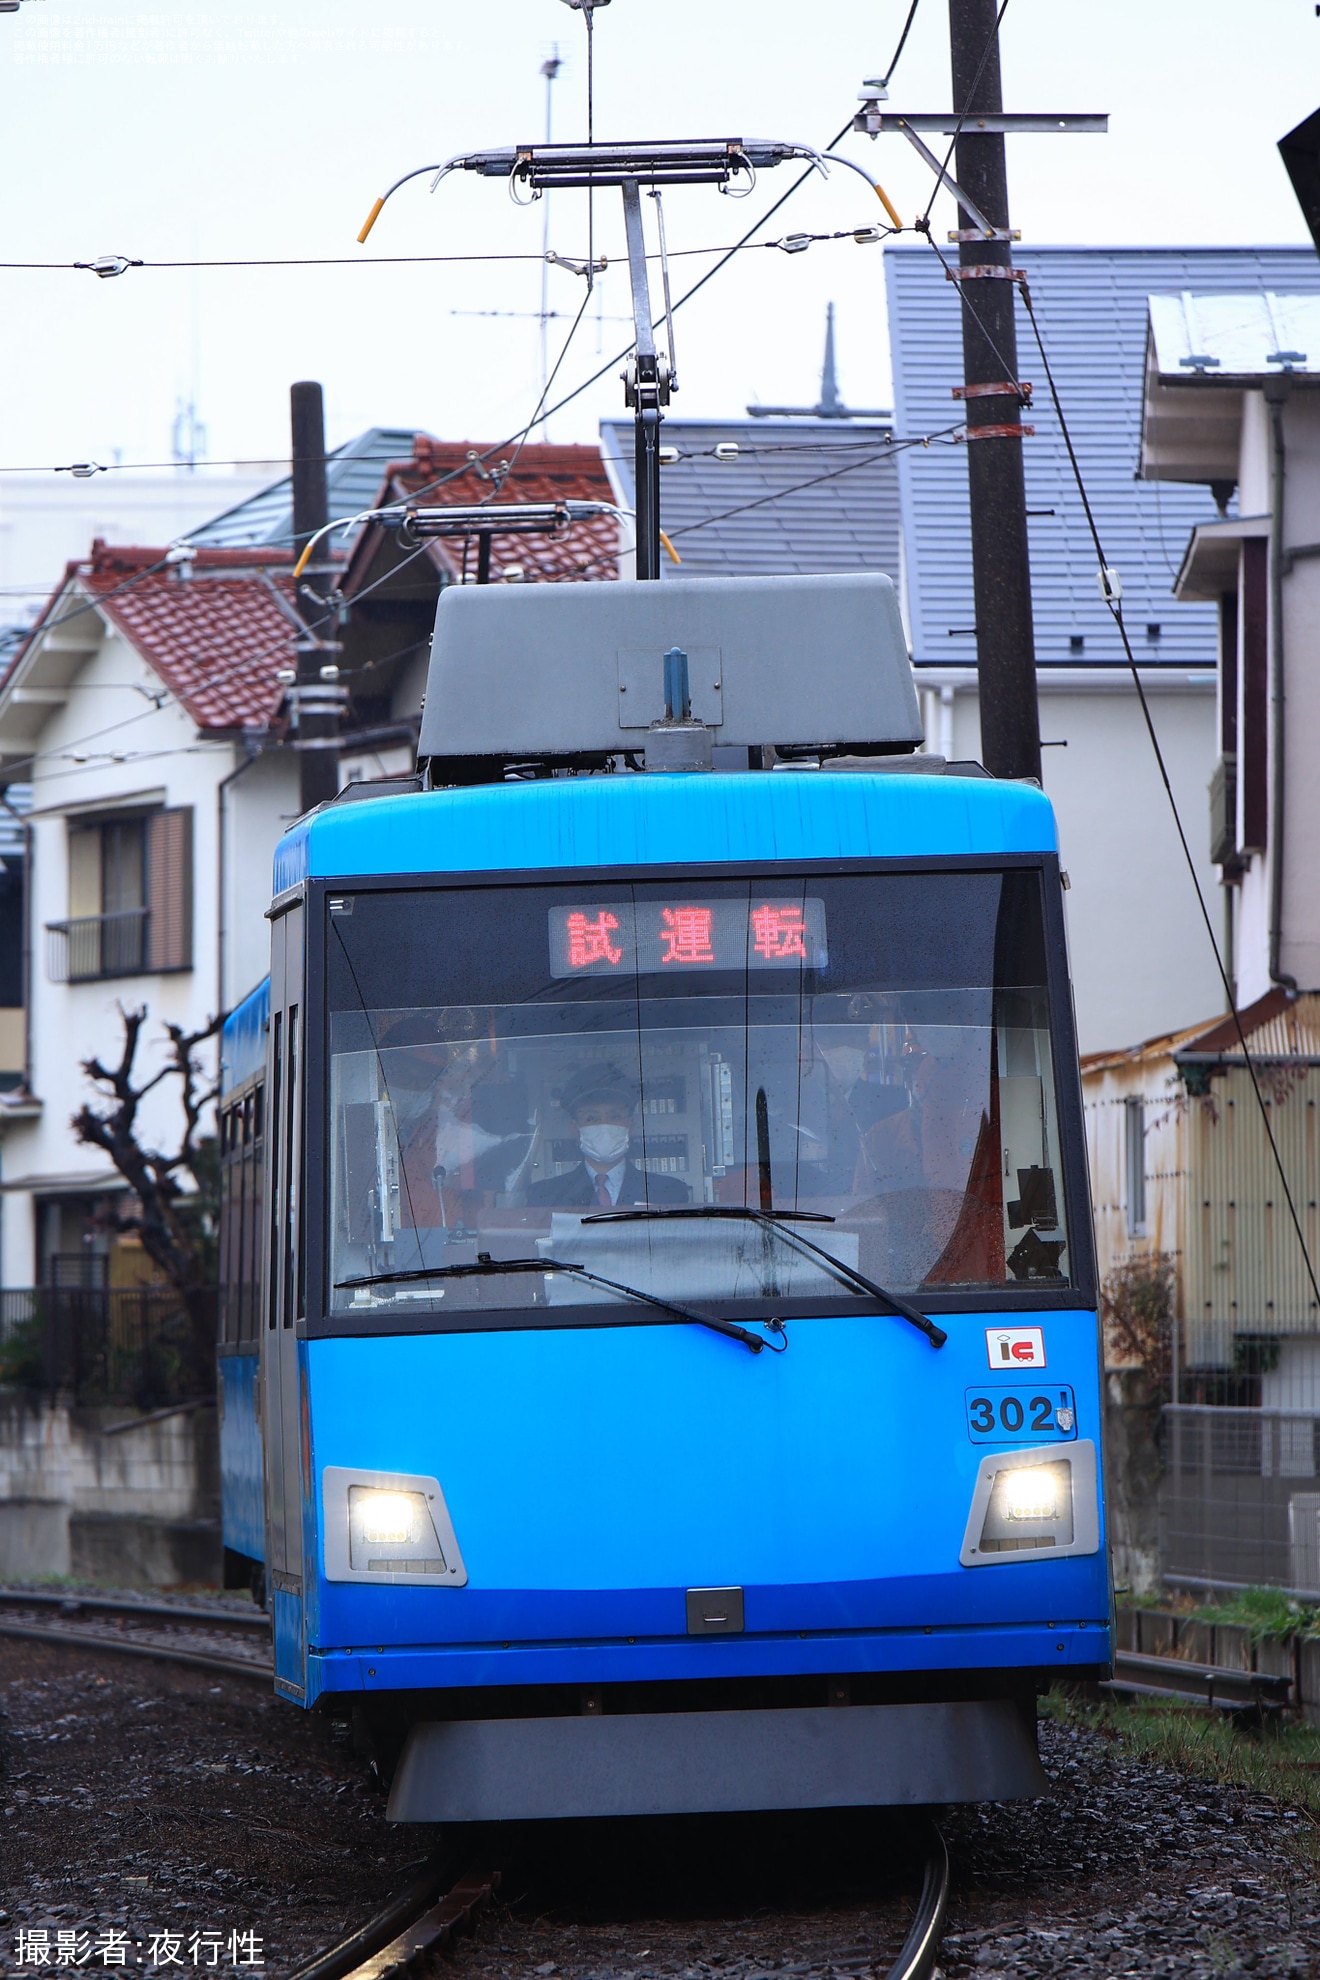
174, 1223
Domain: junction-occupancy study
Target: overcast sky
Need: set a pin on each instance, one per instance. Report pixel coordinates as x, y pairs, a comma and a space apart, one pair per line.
183, 130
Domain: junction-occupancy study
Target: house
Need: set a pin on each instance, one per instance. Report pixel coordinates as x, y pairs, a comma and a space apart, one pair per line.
1184, 1182
1231, 401
146, 697
147, 714
48, 520
779, 496
391, 586
1140, 961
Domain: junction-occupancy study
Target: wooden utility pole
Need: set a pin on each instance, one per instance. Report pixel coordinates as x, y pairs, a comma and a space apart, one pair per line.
316, 700
1001, 567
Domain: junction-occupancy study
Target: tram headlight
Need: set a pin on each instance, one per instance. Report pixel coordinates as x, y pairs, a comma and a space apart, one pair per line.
1036, 1492
388, 1527
1036, 1502
391, 1517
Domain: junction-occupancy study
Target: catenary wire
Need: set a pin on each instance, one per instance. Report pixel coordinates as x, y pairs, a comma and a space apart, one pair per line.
832, 474
378, 260
251, 660
1116, 612
512, 439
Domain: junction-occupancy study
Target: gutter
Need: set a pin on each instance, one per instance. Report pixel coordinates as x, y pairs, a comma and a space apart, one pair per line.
1277, 391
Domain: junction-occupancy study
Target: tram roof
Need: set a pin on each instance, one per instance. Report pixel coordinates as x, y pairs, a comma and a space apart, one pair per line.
703, 820
243, 1040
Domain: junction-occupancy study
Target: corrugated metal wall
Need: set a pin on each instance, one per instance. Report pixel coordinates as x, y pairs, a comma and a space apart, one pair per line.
1150, 1079
1245, 1274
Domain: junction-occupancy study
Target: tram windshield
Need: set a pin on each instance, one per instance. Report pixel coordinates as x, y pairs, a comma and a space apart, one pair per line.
510, 1063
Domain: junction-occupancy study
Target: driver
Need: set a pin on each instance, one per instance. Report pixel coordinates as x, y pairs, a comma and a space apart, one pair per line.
602, 1102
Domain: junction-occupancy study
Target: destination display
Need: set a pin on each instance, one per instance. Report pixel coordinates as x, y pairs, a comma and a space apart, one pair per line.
622, 938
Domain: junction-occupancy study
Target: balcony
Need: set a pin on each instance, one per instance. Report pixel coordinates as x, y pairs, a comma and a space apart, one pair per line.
97, 945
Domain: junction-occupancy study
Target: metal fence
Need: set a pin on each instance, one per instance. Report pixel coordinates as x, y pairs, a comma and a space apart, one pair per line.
97, 945
143, 1347
1240, 1497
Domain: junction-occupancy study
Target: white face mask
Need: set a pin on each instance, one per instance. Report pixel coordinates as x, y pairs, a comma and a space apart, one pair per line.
604, 1142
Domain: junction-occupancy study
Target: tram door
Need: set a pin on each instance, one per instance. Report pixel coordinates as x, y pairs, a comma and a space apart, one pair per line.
284, 1303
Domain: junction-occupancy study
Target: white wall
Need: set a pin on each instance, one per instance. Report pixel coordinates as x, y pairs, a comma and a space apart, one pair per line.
1141, 960
257, 805
109, 745
48, 520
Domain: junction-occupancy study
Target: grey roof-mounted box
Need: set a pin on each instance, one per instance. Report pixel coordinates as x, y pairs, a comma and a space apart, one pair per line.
562, 671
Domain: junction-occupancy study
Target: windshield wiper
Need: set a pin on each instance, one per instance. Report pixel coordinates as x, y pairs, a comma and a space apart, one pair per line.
777, 1221
487, 1267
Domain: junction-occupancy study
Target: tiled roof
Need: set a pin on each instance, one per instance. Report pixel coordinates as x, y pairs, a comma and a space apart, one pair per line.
1092, 307
800, 495
440, 472
217, 637
353, 476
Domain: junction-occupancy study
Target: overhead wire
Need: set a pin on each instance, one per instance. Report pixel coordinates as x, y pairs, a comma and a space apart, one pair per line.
513, 439
902, 43
833, 474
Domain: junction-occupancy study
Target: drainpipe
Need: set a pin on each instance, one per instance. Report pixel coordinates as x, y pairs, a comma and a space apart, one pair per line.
29, 901
1277, 391
222, 926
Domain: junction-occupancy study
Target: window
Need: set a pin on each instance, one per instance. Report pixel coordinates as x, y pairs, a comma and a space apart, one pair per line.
1134, 1163
130, 898
871, 1051
242, 1158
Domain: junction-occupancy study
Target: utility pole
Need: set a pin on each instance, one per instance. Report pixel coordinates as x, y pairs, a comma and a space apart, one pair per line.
316, 696
1001, 567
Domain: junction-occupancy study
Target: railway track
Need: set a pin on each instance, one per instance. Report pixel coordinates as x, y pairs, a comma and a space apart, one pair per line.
165, 1632
414, 1928
420, 1920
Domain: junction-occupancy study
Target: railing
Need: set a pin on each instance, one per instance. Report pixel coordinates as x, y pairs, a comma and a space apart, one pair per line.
97, 945
146, 1346
1240, 1497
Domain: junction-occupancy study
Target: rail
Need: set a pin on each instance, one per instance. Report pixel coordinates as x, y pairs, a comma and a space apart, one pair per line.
159, 1632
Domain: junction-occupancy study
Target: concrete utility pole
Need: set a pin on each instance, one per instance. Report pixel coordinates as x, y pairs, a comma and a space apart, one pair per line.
316, 700
1001, 567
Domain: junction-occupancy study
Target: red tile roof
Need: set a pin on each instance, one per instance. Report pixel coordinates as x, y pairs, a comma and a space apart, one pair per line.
442, 471
216, 637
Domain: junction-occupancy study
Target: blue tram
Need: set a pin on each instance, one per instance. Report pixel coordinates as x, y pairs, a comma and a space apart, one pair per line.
660, 1368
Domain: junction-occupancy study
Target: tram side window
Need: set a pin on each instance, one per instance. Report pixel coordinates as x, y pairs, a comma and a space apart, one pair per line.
241, 1167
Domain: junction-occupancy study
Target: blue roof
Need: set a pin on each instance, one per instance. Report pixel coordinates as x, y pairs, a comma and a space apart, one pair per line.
666, 821
243, 1041
802, 496
354, 474
1091, 304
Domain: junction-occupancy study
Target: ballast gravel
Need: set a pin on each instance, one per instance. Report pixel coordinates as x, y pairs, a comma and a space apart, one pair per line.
196, 1824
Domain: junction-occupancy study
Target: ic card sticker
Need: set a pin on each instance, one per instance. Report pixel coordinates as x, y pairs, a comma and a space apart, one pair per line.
1015, 1347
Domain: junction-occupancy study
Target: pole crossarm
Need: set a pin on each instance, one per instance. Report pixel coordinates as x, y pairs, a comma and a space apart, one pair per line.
876, 122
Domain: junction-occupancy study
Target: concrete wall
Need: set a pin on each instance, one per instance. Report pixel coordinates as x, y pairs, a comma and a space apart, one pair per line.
108, 1495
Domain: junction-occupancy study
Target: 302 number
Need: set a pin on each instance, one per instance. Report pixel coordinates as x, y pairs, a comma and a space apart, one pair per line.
1012, 1414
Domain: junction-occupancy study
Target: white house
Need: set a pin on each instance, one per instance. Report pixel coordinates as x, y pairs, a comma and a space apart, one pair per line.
145, 713
1231, 399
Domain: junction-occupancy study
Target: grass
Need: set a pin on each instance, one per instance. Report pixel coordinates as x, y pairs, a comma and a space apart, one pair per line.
1283, 1763
1267, 1615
